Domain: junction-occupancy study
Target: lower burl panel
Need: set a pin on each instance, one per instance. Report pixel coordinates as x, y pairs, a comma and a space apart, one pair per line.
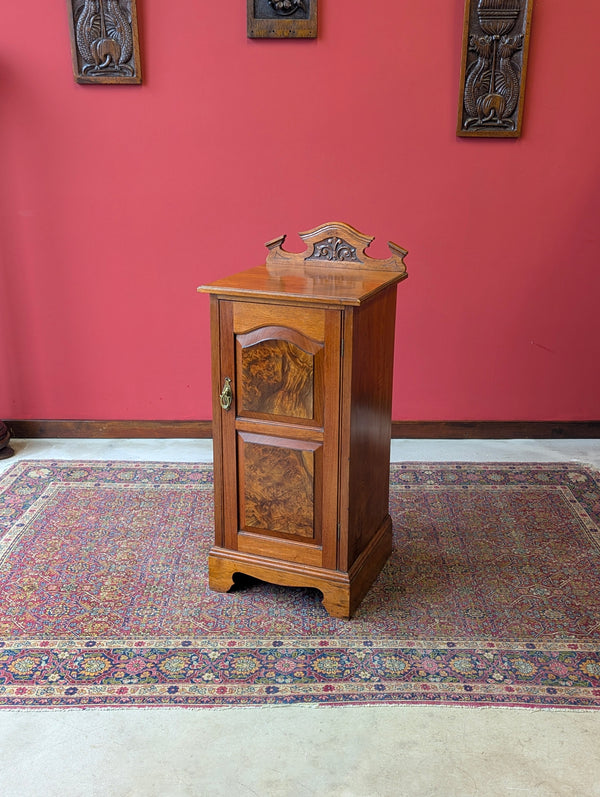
277, 480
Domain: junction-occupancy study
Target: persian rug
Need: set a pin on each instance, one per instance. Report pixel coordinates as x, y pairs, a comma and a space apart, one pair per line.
491, 595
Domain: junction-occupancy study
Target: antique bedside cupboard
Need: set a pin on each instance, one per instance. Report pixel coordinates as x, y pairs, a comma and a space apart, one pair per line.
302, 362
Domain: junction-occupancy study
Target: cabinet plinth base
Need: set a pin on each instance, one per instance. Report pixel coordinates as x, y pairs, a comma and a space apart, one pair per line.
342, 591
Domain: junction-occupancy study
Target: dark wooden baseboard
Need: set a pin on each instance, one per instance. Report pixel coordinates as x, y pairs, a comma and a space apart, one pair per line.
495, 430
111, 429
444, 430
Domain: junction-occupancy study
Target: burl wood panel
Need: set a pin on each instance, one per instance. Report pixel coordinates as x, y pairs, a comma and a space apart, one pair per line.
275, 378
494, 66
278, 494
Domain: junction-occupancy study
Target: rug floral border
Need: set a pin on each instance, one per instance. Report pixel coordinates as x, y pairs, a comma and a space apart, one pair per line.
202, 672
205, 673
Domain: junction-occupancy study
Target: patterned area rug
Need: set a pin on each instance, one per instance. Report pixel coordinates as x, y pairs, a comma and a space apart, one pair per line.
491, 596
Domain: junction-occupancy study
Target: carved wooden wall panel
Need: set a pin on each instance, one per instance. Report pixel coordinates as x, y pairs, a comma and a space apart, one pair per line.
282, 19
104, 41
494, 66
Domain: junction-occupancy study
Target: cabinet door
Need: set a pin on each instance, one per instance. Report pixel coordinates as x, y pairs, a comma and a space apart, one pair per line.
280, 433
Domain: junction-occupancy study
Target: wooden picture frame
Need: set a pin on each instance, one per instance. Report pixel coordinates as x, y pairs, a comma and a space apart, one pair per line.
494, 67
104, 41
282, 19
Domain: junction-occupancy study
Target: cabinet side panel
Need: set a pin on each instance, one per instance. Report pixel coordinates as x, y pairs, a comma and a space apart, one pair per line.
370, 419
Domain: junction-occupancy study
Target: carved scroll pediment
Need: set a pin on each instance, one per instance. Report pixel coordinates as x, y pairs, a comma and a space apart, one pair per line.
337, 245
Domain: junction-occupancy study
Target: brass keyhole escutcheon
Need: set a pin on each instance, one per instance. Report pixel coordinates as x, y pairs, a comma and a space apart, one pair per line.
226, 396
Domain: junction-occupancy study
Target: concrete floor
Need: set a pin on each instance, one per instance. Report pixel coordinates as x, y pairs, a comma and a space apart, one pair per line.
302, 751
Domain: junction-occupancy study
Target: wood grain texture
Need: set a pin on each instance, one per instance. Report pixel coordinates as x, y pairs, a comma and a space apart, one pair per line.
306, 286
254, 316
276, 378
290, 550
277, 482
366, 419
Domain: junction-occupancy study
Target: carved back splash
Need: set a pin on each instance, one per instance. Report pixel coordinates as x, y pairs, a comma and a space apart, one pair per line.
338, 245
104, 41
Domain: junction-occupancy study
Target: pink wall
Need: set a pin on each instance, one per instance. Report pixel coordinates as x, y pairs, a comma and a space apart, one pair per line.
116, 202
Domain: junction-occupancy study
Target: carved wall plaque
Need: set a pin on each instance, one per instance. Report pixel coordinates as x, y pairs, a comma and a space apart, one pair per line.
104, 41
494, 65
282, 19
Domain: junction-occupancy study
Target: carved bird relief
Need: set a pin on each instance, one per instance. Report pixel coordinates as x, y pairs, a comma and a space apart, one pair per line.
492, 89
104, 38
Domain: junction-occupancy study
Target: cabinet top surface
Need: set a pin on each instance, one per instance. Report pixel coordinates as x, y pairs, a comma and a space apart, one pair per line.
305, 284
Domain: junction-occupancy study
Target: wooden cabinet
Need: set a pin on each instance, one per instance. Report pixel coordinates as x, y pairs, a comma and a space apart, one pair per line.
302, 359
